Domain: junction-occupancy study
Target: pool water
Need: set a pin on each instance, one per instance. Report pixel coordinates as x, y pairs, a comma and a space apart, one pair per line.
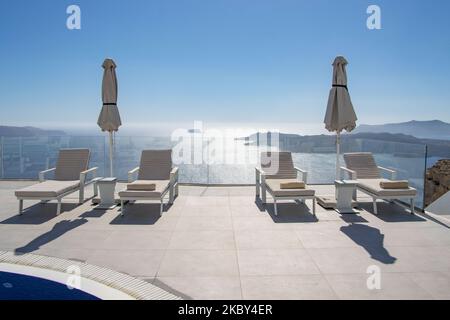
15, 286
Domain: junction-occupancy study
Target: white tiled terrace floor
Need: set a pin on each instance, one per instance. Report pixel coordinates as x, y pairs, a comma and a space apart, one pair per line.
217, 243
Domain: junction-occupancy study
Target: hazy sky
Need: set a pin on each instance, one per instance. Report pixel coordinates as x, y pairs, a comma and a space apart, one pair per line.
222, 60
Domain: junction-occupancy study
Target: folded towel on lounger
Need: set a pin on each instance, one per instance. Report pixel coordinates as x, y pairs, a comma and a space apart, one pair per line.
292, 185
141, 186
403, 184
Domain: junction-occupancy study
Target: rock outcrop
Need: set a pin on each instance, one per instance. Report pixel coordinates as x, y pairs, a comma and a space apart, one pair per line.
437, 181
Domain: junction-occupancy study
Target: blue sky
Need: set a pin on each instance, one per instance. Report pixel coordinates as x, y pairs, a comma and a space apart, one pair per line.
222, 60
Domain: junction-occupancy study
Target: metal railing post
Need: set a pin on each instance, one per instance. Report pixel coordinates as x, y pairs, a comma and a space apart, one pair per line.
425, 178
1, 158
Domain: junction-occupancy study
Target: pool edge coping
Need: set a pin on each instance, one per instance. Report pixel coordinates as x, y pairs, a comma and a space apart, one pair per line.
136, 288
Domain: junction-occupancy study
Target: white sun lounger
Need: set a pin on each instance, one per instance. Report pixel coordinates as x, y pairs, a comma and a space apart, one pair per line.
277, 168
362, 167
155, 168
70, 176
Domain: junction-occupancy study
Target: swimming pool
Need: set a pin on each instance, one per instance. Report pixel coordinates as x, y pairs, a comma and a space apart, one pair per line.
14, 286
19, 282
37, 277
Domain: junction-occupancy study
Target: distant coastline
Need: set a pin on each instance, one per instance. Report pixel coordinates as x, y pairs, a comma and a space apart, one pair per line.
400, 144
432, 129
15, 132
394, 138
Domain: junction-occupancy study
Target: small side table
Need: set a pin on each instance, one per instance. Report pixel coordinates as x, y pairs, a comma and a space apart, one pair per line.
106, 188
344, 194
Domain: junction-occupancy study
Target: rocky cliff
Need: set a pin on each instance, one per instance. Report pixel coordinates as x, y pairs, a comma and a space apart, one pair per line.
437, 181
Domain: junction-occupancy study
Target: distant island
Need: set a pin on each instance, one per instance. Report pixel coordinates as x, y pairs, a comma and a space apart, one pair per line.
397, 144
434, 129
14, 132
398, 138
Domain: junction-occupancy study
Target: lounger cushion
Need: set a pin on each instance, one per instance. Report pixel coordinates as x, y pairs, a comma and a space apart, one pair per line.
373, 186
48, 189
274, 187
141, 185
160, 187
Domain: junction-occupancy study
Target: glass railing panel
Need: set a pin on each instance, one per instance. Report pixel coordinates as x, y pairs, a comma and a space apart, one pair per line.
128, 151
25, 157
321, 167
223, 160
230, 160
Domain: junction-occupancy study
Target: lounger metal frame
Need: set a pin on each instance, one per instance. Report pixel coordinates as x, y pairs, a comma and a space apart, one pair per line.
353, 176
172, 188
80, 188
261, 190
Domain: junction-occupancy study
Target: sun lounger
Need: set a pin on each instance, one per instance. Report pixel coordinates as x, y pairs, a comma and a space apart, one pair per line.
156, 178
276, 173
70, 176
363, 168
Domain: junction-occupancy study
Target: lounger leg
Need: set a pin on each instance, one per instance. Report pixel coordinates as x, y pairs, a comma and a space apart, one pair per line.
275, 206
81, 198
263, 193
58, 207
375, 206
20, 207
257, 188
161, 208
95, 187
171, 194
176, 189
121, 208
314, 206
412, 205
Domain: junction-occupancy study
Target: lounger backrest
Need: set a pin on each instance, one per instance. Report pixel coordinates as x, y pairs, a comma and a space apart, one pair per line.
278, 165
70, 163
155, 165
363, 164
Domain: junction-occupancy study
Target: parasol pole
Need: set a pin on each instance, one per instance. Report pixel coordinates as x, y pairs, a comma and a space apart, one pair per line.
111, 153
338, 151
